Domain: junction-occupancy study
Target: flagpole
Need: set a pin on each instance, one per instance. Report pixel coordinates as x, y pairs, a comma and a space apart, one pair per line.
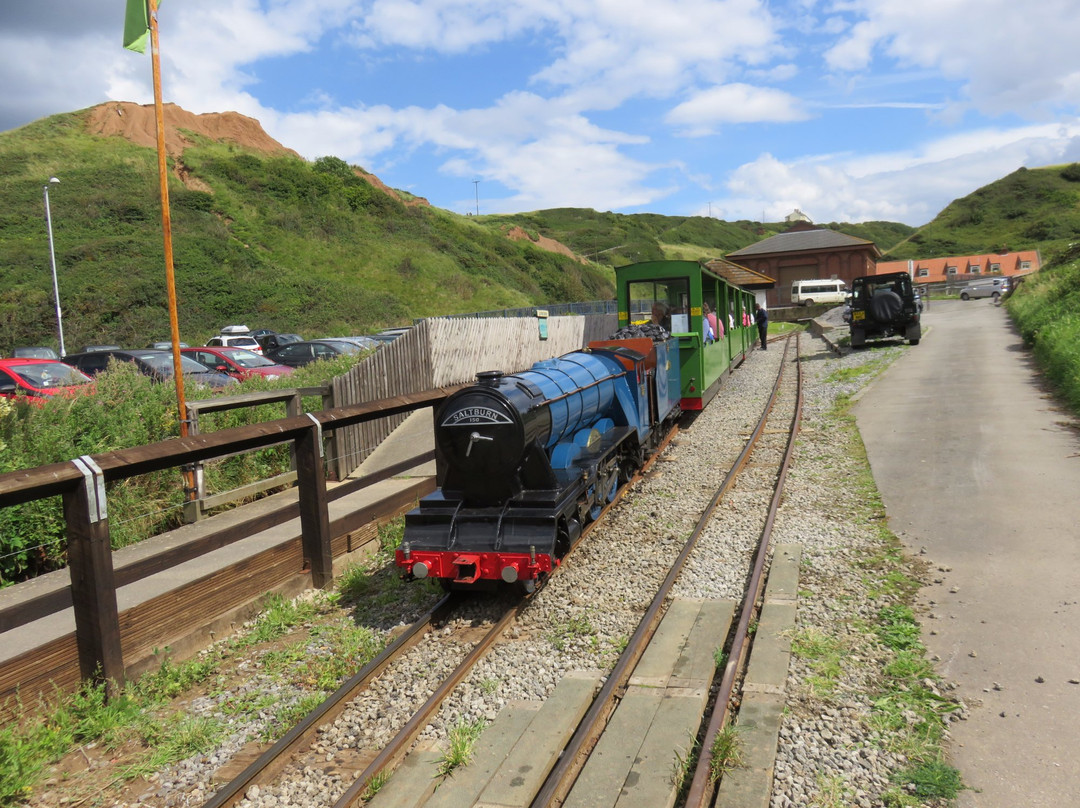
166, 221
166, 228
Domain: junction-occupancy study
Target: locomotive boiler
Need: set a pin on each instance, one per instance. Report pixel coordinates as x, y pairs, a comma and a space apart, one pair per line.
524, 461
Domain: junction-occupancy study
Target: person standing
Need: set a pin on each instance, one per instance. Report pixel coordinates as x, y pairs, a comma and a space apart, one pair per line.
761, 317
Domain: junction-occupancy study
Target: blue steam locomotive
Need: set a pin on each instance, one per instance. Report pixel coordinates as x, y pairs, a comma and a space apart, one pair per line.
524, 461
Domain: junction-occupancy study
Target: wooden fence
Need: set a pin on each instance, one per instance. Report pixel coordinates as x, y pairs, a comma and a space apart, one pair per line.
111, 637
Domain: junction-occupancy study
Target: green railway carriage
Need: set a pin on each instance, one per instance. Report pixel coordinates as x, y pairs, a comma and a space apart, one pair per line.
684, 287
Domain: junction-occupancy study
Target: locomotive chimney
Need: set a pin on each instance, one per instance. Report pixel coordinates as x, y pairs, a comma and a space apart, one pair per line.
489, 377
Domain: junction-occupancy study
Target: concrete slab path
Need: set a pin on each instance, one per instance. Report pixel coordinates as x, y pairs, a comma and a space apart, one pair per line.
977, 465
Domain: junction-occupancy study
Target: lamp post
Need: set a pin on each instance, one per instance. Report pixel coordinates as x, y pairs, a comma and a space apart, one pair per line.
52, 265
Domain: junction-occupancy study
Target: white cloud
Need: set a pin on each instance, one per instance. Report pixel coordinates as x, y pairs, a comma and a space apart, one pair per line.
908, 186
1012, 57
735, 103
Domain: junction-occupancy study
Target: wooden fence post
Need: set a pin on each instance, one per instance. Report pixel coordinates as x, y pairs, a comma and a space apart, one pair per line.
314, 514
93, 588
337, 471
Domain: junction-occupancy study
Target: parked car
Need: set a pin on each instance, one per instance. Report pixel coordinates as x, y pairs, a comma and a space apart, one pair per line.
235, 336
237, 362
391, 334
38, 378
91, 348
991, 287
366, 342
165, 345
298, 354
273, 340
157, 364
34, 352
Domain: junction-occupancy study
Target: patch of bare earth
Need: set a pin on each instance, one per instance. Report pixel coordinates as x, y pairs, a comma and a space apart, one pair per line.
544, 243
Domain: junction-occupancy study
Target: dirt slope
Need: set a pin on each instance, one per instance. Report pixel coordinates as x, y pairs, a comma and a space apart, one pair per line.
136, 123
544, 243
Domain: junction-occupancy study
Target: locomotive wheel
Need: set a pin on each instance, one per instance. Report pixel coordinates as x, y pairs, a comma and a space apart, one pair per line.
562, 540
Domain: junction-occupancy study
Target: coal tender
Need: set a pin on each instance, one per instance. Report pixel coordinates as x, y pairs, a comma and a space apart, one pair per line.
525, 460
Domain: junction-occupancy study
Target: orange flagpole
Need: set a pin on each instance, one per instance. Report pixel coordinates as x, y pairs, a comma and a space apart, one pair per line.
166, 221
166, 227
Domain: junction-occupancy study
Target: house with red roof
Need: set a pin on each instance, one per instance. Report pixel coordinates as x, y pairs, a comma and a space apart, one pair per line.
961, 269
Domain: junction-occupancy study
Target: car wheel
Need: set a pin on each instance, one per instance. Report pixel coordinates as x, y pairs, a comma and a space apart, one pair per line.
808, 303
964, 296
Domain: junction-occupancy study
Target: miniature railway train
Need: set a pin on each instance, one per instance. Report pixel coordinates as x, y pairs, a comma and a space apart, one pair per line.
524, 461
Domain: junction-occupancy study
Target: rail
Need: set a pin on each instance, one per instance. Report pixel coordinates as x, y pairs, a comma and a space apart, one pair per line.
81, 484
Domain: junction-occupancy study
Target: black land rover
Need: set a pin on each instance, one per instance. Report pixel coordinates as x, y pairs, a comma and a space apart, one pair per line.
884, 305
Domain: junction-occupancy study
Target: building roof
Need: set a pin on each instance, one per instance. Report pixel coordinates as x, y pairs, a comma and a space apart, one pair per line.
739, 275
803, 240
1009, 263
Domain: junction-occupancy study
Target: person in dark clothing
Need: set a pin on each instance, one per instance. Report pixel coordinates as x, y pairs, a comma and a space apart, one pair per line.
761, 317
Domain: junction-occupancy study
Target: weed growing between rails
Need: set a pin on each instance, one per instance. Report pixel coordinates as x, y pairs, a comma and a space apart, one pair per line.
865, 709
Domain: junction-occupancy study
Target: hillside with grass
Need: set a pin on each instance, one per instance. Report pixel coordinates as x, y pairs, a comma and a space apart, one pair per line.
1046, 310
615, 239
267, 239
1029, 209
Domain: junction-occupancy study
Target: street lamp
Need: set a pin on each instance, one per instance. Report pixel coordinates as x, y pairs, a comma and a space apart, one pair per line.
52, 264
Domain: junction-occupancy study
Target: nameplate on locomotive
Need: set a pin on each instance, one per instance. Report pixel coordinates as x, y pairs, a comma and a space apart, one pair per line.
470, 416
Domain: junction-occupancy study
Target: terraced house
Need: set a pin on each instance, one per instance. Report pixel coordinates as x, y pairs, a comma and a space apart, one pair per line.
962, 269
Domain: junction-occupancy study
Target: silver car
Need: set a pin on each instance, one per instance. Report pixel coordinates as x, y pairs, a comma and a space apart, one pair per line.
992, 287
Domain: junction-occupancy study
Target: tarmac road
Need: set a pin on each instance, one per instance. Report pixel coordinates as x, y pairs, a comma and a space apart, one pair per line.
977, 465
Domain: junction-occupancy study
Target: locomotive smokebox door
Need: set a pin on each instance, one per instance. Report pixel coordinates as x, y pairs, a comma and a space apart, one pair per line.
482, 435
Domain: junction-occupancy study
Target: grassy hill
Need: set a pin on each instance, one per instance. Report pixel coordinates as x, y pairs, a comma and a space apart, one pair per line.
323, 248
1029, 209
273, 242
616, 239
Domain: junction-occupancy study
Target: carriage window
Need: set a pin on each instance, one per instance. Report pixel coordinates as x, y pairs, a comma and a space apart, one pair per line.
673, 294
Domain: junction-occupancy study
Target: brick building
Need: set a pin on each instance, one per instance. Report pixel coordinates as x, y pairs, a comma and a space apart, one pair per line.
807, 252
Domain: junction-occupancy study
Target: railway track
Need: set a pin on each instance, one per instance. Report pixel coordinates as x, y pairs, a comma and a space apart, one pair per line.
497, 615
433, 637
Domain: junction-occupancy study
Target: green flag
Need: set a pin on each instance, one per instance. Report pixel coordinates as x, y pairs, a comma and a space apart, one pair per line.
136, 25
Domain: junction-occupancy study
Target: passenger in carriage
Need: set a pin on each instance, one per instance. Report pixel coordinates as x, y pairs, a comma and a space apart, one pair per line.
714, 324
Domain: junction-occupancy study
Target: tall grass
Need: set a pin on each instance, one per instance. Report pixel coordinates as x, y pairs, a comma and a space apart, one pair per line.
1046, 309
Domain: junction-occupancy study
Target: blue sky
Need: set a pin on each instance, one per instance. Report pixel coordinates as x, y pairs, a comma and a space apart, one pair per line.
850, 110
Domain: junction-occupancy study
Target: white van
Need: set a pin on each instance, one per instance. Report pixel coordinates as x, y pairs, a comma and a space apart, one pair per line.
805, 293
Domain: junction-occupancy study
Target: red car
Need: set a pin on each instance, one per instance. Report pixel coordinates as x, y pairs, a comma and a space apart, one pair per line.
239, 363
38, 378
